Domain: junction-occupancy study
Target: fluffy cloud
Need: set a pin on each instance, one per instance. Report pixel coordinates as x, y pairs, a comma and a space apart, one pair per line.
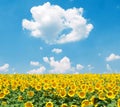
55, 25
41, 48
4, 68
79, 67
45, 59
33, 63
108, 67
61, 66
37, 71
112, 57
56, 50
76, 72
90, 67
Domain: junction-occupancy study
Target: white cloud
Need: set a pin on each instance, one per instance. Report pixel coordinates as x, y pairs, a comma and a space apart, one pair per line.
76, 73
112, 57
79, 67
56, 50
108, 67
14, 72
41, 48
45, 59
55, 25
33, 63
13, 69
4, 68
61, 66
90, 67
39, 70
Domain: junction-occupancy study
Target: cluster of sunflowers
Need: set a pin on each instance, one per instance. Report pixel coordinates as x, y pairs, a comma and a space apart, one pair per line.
60, 90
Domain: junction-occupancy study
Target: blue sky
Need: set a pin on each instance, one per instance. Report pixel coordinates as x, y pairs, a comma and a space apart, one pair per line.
56, 36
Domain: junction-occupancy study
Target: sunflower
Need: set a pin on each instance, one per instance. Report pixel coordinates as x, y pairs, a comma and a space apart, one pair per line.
82, 94
28, 104
54, 85
83, 87
90, 89
14, 87
101, 96
30, 93
4, 103
2, 95
118, 103
97, 86
6, 91
85, 103
38, 87
62, 93
93, 100
110, 95
49, 104
22, 88
71, 93
73, 87
20, 98
63, 85
64, 105
46, 87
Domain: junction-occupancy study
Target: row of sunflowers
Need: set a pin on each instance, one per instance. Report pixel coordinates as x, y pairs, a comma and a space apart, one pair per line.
59, 90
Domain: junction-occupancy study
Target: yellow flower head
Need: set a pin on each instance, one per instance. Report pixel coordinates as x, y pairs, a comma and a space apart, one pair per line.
30, 93
73, 87
2, 95
85, 103
22, 88
20, 98
90, 89
46, 86
82, 94
92, 100
97, 86
6, 91
54, 85
71, 93
28, 104
83, 87
101, 96
63, 85
110, 95
4, 103
118, 103
62, 93
49, 104
64, 105
38, 87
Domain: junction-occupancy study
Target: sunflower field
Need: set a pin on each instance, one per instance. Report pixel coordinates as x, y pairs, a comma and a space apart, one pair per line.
59, 90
